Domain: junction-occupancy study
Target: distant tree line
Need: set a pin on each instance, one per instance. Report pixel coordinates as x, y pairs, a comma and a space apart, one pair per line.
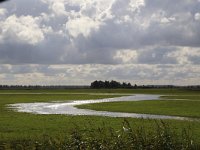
115, 84
30, 87
96, 84
110, 85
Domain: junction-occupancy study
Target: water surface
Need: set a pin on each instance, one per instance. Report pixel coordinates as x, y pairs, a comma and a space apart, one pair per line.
68, 108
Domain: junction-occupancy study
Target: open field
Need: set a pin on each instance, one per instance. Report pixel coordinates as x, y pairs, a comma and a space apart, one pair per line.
22, 126
161, 107
137, 91
185, 104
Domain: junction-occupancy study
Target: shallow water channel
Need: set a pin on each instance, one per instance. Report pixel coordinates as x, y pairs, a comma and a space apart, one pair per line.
68, 108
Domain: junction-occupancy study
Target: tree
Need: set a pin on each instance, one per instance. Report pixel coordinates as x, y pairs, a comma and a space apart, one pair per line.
110, 84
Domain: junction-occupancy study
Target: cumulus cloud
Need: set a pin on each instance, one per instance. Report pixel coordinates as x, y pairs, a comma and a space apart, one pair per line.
197, 16
126, 56
3, 11
21, 29
82, 25
58, 8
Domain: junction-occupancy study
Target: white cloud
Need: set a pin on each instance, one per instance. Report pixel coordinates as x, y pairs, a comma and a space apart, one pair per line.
184, 55
126, 56
82, 25
58, 8
136, 4
197, 16
21, 29
3, 11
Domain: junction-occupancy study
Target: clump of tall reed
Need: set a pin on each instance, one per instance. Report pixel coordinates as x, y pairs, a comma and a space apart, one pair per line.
162, 137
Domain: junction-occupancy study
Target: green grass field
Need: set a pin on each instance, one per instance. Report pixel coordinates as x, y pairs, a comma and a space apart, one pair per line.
176, 103
161, 107
21, 126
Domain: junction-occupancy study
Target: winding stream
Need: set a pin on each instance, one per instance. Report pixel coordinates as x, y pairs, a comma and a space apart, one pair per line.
69, 108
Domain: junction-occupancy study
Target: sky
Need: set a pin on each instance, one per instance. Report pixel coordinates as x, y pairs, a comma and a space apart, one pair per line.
74, 42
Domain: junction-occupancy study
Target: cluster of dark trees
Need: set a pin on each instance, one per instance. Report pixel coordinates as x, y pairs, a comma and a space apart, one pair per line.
110, 84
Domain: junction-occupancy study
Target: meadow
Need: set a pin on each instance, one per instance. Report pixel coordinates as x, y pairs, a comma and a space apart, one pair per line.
30, 129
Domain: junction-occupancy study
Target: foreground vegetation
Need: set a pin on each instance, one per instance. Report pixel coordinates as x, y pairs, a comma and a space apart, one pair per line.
16, 129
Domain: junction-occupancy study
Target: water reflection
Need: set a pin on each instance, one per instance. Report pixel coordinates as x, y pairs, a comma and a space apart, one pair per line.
69, 108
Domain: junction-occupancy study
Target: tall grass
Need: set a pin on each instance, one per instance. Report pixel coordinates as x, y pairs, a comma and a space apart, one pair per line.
162, 137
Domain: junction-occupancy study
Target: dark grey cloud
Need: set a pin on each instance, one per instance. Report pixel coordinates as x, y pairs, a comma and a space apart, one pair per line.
159, 55
195, 59
24, 7
48, 52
